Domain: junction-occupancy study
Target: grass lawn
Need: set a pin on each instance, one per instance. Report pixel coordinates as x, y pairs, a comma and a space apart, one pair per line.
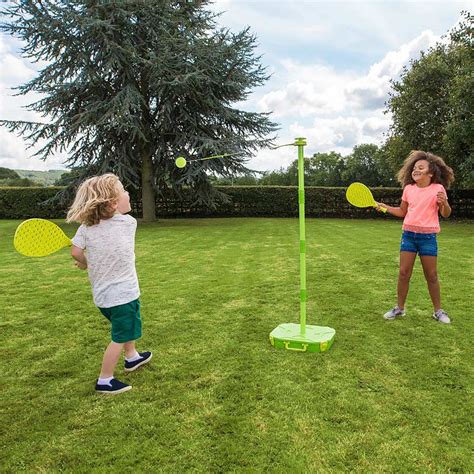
217, 397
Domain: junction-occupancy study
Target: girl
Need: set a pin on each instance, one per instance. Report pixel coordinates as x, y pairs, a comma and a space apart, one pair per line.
423, 177
107, 234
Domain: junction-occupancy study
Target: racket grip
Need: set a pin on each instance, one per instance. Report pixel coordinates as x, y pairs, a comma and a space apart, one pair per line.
381, 208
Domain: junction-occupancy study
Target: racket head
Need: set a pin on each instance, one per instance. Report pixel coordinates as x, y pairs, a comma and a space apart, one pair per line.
359, 195
39, 238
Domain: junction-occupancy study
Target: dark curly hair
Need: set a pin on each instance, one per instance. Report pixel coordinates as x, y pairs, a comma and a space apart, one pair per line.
441, 172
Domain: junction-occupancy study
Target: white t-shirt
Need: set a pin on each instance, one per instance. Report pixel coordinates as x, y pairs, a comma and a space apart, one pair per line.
110, 247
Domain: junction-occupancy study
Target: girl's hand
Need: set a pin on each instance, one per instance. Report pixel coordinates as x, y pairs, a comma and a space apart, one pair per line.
441, 199
380, 206
81, 266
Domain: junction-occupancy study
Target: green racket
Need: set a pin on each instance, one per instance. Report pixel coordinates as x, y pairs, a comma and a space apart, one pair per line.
39, 237
359, 195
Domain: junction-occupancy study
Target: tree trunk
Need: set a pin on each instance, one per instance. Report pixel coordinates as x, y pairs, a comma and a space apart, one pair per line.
148, 187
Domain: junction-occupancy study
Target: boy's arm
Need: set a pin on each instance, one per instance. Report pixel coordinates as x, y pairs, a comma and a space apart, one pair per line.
79, 256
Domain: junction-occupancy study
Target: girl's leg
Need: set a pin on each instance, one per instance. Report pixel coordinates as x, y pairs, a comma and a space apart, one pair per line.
129, 348
111, 357
431, 274
407, 260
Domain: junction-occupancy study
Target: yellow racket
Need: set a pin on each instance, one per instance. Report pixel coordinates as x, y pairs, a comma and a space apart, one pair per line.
39, 237
359, 195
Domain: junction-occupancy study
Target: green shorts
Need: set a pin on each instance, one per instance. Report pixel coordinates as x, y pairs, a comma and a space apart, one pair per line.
125, 319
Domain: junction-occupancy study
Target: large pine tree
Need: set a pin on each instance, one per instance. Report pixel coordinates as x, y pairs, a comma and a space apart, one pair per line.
132, 84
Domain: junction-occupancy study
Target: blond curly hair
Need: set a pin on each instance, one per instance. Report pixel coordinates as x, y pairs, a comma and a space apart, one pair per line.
441, 172
95, 200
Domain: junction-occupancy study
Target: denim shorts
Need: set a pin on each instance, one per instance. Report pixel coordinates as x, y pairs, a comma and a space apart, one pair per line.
423, 244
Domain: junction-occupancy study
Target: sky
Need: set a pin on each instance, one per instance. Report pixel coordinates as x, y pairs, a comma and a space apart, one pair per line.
330, 65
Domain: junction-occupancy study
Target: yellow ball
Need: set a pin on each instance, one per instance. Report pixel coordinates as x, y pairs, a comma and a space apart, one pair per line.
180, 162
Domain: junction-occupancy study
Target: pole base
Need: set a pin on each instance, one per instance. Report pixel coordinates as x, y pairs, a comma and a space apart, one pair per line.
316, 338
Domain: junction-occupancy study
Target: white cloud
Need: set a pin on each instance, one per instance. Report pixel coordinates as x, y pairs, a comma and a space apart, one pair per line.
14, 71
331, 65
275, 159
336, 110
271, 19
326, 134
320, 89
374, 127
310, 89
371, 91
14, 154
338, 134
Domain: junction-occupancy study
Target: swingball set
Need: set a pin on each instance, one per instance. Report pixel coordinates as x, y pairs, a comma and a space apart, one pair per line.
40, 237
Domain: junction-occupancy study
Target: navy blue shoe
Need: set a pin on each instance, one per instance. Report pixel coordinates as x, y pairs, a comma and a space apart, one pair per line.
115, 387
145, 357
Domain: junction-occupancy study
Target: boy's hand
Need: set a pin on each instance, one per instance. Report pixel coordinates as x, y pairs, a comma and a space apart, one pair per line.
82, 266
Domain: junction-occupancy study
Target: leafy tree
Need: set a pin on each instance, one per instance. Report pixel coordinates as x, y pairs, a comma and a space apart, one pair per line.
7, 173
459, 134
10, 177
275, 178
394, 151
432, 103
132, 84
325, 169
70, 177
292, 172
367, 163
386, 173
19, 183
248, 179
363, 165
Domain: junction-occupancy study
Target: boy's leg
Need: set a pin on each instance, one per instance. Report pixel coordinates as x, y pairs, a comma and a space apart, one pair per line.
407, 260
129, 348
429, 269
111, 357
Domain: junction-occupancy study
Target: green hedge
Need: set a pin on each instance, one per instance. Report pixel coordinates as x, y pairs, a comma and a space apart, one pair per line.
244, 201
282, 201
23, 203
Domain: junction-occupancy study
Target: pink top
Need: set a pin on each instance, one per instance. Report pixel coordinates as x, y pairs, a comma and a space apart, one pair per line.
422, 215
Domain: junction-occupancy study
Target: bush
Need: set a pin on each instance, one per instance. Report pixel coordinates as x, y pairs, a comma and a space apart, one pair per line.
282, 201
24, 203
244, 201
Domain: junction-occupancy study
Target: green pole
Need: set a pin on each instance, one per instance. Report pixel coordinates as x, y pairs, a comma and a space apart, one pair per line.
302, 337
301, 142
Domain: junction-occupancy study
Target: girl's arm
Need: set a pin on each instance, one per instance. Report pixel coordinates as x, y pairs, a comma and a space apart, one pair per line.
395, 211
443, 205
79, 256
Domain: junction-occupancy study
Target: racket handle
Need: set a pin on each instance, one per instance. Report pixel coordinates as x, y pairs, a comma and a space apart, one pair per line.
381, 208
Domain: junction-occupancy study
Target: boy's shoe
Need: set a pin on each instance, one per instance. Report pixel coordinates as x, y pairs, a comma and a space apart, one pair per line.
394, 313
145, 357
441, 316
115, 387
